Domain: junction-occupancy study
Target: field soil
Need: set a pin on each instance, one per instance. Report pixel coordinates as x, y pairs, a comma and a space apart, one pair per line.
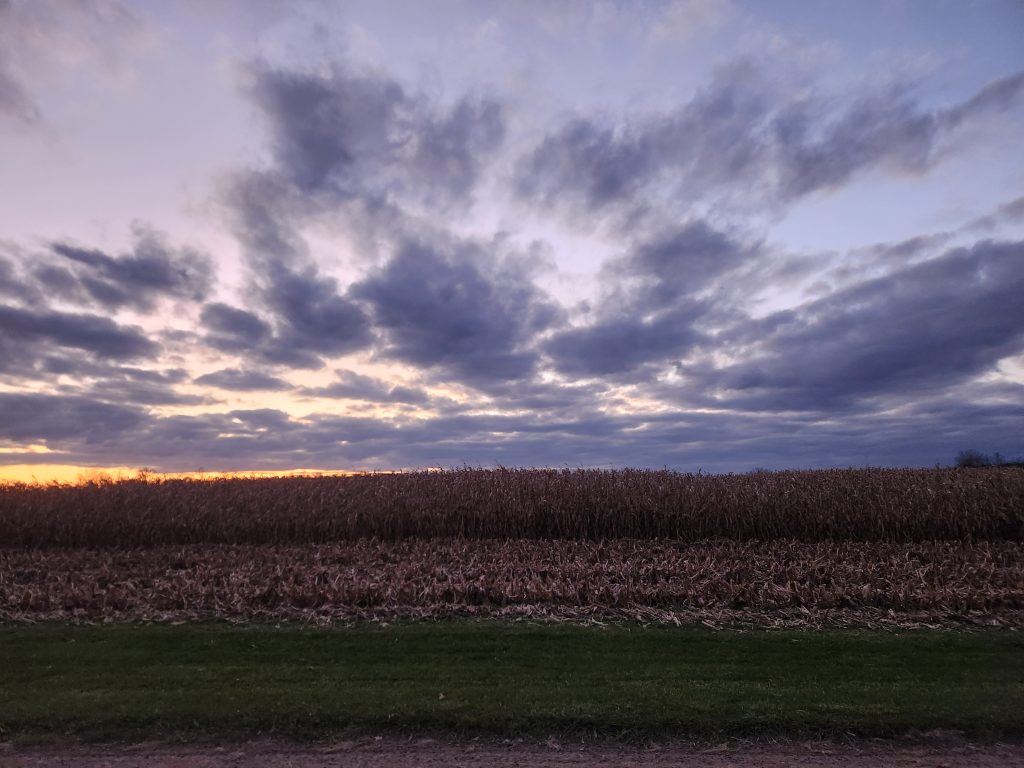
428, 753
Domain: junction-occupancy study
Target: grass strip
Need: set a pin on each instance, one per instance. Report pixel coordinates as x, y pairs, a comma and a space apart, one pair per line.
464, 678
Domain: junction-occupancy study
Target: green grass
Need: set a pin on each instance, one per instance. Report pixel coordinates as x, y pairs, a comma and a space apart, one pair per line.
132, 681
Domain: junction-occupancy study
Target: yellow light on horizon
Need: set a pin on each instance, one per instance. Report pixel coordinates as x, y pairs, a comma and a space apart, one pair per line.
71, 473
61, 473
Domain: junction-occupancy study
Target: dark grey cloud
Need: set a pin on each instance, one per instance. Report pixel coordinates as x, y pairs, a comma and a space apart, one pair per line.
19, 281
308, 315
82, 365
1011, 212
358, 134
679, 262
312, 314
9, 284
138, 393
459, 310
992, 98
152, 270
311, 318
356, 386
82, 374
654, 301
745, 138
230, 329
242, 380
566, 398
588, 163
622, 344
238, 332
928, 431
358, 149
278, 352
42, 417
355, 147
54, 281
928, 326
264, 209
101, 336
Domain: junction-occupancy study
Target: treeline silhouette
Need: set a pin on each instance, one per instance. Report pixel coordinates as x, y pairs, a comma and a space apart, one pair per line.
972, 459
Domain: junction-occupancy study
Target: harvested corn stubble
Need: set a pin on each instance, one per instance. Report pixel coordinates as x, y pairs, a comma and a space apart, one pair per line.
775, 583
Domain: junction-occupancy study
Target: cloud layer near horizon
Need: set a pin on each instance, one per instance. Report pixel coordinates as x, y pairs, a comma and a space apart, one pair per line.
377, 316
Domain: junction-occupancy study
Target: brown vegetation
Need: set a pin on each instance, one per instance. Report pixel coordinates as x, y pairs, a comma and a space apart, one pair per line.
863, 547
586, 505
781, 582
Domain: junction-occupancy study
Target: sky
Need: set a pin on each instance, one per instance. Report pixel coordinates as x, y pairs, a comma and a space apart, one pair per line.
698, 234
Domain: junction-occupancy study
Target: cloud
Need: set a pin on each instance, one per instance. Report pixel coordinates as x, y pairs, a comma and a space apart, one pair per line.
930, 325
262, 207
359, 149
16, 103
994, 97
309, 314
1011, 212
45, 41
152, 270
143, 387
231, 329
242, 381
362, 135
353, 146
679, 20
352, 232
312, 315
311, 319
9, 284
356, 386
747, 138
460, 310
45, 418
624, 343
100, 336
679, 261
653, 302
39, 340
74, 373
586, 163
929, 430
243, 333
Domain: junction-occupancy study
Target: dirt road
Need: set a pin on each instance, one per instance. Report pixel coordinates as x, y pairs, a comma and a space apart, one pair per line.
381, 753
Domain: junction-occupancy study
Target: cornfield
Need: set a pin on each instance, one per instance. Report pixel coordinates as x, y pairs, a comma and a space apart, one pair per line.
846, 547
584, 505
